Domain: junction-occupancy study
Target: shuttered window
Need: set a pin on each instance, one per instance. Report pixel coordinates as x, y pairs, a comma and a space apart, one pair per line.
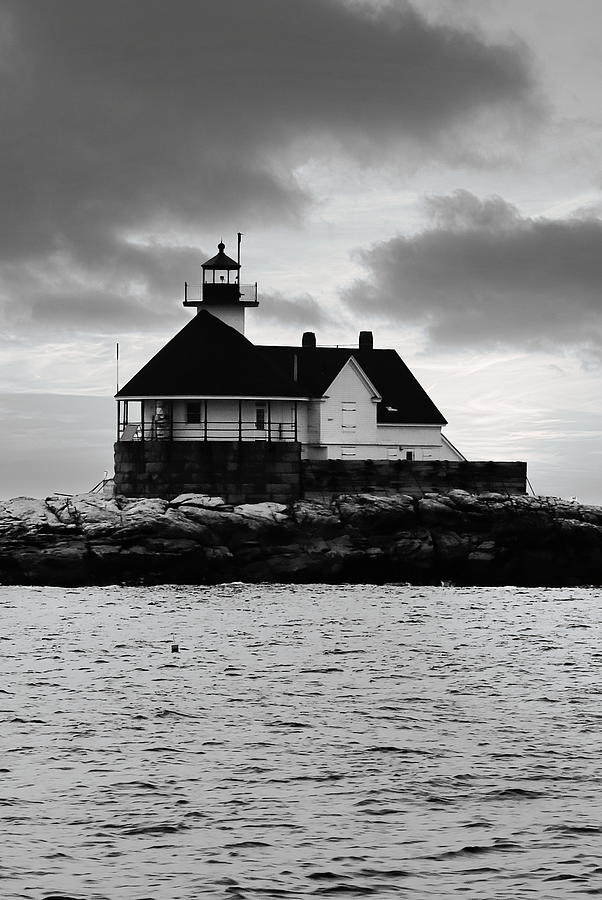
348, 414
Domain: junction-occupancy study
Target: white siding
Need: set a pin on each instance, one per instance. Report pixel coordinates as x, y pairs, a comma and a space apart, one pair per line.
348, 415
393, 442
412, 435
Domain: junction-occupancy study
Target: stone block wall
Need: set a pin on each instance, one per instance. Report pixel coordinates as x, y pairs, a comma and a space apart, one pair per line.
323, 479
250, 472
240, 472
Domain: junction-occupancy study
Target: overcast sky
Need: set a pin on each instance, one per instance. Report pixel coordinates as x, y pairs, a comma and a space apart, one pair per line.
431, 171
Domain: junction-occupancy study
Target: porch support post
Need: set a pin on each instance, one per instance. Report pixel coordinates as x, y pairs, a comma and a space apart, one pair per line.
295, 420
126, 413
142, 419
269, 421
171, 420
205, 423
239, 419
118, 418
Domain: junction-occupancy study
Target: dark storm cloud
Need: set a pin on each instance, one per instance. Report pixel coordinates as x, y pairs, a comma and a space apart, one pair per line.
127, 287
484, 275
303, 311
147, 116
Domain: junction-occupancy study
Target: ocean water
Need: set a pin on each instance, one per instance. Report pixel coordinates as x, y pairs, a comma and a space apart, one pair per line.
305, 741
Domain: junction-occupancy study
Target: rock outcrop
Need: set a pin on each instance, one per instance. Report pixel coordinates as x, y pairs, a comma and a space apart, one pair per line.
464, 538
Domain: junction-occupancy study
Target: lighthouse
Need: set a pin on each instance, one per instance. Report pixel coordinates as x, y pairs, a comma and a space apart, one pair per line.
221, 292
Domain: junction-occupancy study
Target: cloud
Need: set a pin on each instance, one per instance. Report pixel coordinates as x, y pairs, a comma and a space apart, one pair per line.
303, 311
155, 118
483, 275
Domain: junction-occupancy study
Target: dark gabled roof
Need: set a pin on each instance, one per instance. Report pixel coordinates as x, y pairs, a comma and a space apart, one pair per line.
209, 358
404, 401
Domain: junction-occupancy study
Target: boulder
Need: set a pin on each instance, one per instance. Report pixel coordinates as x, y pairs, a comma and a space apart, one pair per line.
374, 513
26, 515
205, 501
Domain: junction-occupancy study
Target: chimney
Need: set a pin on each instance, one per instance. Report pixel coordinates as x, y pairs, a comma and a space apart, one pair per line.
366, 340
308, 339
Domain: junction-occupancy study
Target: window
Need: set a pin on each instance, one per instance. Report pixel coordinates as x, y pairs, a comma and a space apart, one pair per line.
348, 451
348, 414
409, 455
260, 418
193, 413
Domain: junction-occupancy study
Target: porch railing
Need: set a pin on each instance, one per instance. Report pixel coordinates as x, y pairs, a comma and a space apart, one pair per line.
166, 430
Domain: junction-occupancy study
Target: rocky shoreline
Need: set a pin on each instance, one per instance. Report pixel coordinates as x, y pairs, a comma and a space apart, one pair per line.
466, 539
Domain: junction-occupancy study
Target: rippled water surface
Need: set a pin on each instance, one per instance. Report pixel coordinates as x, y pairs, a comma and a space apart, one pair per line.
309, 741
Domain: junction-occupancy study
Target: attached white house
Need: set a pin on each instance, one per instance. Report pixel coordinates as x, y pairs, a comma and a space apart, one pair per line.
210, 383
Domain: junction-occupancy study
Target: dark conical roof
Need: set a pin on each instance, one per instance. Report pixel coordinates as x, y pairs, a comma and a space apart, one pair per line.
209, 358
221, 260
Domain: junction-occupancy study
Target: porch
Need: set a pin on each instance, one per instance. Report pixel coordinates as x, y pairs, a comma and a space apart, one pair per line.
207, 420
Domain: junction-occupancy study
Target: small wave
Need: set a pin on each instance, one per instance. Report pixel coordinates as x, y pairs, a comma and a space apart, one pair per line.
326, 670
575, 829
288, 725
239, 844
480, 870
402, 751
175, 713
325, 876
332, 777
164, 828
19, 720
385, 873
515, 793
566, 876
145, 785
60, 897
468, 850
382, 812
344, 889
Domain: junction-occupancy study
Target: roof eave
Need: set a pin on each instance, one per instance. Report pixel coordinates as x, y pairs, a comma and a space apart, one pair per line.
253, 397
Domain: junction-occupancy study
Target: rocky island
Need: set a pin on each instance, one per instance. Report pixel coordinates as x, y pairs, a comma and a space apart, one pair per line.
463, 538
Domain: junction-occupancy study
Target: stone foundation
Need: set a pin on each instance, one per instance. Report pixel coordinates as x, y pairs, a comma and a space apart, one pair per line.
325, 479
253, 471
240, 472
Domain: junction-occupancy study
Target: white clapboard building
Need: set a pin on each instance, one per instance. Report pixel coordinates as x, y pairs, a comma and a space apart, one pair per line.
210, 383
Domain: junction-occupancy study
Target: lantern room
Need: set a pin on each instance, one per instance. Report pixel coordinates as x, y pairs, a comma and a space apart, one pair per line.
221, 292
221, 276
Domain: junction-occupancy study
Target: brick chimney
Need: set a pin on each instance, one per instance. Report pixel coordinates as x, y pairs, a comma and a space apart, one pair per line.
366, 340
308, 339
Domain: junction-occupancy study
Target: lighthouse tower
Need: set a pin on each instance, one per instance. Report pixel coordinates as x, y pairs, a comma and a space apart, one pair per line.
221, 292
